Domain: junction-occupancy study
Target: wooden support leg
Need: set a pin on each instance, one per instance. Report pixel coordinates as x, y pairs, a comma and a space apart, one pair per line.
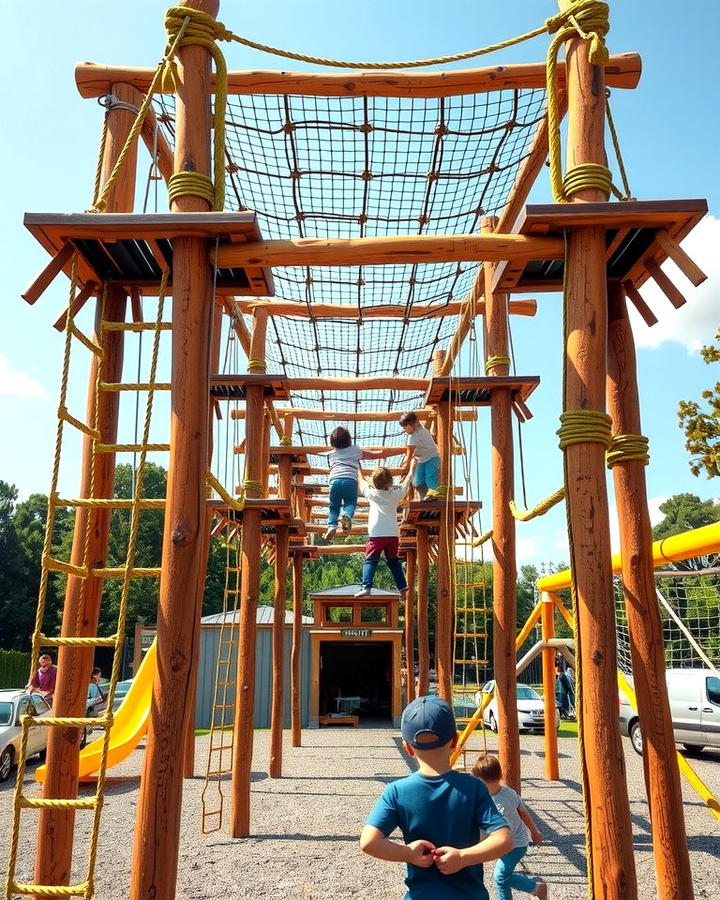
277, 720
662, 777
295, 662
411, 558
423, 565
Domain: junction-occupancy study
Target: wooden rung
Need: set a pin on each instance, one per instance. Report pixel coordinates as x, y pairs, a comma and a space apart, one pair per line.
470, 634
135, 386
471, 662
664, 283
635, 297
79, 641
675, 252
76, 305
33, 293
39, 803
41, 890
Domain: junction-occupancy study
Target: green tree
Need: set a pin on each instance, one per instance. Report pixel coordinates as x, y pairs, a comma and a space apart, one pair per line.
16, 611
702, 426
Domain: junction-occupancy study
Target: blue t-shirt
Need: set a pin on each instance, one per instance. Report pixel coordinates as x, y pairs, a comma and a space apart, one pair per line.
450, 810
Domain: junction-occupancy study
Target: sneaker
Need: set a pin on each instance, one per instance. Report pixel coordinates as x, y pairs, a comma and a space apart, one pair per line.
330, 533
365, 592
345, 523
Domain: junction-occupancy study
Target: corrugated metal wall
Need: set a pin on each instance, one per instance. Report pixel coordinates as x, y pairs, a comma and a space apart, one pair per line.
209, 640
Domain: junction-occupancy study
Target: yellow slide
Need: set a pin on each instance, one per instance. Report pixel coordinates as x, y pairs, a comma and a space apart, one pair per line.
129, 725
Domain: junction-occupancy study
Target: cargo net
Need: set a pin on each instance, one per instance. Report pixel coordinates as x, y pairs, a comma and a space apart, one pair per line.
689, 604
351, 167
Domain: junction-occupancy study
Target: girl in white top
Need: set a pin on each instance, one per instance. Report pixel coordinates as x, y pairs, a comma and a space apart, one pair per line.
510, 805
344, 460
383, 528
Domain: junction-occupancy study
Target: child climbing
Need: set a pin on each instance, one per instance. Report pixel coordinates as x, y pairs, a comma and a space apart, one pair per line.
422, 447
487, 768
344, 461
383, 528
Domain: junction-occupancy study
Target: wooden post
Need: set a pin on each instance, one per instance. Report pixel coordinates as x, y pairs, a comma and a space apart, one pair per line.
83, 597
189, 759
611, 865
504, 564
444, 611
410, 566
296, 655
284, 490
277, 718
547, 623
157, 833
423, 566
662, 778
255, 466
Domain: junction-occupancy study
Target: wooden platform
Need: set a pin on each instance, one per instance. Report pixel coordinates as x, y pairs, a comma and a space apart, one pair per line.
469, 391
339, 720
134, 249
631, 229
274, 513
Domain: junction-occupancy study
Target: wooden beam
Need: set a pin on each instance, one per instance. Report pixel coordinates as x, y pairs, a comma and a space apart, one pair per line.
391, 250
622, 71
295, 655
664, 283
382, 311
610, 859
42, 282
330, 415
381, 383
675, 252
157, 835
423, 557
277, 717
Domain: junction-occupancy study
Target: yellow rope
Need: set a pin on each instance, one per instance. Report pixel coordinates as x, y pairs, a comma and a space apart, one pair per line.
493, 361
483, 539
254, 486
135, 386
627, 446
584, 426
589, 19
136, 326
286, 441
212, 482
618, 152
540, 508
101, 202
195, 183
256, 365
131, 448
192, 27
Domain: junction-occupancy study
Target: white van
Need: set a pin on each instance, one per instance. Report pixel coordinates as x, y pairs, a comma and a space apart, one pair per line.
694, 706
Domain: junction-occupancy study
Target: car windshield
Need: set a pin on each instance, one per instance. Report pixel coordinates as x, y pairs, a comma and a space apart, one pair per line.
6, 713
527, 693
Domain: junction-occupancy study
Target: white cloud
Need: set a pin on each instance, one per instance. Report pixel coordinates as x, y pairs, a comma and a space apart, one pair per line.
695, 323
526, 550
655, 517
14, 383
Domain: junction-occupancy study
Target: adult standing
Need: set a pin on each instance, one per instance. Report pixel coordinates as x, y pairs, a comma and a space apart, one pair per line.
43, 681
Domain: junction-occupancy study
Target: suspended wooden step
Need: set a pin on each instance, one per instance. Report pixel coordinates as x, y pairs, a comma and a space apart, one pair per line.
470, 391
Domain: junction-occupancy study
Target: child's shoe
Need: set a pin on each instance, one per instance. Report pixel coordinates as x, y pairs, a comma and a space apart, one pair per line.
345, 523
365, 592
330, 533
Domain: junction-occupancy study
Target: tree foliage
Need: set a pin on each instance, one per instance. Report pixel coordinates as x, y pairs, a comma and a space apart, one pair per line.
702, 425
682, 513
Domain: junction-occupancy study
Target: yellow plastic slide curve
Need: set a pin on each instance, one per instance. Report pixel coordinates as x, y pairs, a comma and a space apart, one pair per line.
129, 725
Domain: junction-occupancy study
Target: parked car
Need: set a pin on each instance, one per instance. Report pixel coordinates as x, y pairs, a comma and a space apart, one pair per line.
14, 704
121, 689
530, 709
96, 699
694, 707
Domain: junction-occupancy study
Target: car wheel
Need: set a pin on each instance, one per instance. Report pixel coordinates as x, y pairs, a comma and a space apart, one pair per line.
694, 748
6, 763
492, 723
636, 738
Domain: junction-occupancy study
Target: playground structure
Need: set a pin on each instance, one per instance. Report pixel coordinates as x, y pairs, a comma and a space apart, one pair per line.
452, 236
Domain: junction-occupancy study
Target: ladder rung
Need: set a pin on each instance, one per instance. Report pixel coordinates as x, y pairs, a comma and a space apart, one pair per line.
120, 572
112, 503
50, 890
42, 803
134, 386
471, 609
59, 565
218, 772
65, 721
470, 634
79, 641
131, 448
471, 662
137, 326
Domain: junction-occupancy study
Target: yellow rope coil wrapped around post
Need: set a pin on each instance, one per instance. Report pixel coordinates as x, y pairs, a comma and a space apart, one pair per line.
286, 441
256, 365
584, 426
540, 508
627, 446
493, 361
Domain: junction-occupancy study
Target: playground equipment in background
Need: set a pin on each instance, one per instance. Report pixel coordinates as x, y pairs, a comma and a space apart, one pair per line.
129, 724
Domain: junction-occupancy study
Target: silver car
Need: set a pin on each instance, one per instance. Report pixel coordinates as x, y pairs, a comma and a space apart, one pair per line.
530, 709
694, 707
13, 705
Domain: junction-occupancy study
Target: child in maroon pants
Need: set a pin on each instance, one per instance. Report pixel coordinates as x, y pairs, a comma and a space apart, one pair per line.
383, 529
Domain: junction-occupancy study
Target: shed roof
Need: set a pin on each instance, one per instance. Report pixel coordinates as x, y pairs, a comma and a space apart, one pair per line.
264, 616
349, 590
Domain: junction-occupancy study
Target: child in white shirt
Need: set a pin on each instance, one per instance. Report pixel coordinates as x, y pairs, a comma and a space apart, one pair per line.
422, 447
383, 528
510, 805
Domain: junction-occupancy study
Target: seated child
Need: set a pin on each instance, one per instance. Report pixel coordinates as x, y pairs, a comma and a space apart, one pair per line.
439, 812
421, 446
344, 461
383, 529
523, 829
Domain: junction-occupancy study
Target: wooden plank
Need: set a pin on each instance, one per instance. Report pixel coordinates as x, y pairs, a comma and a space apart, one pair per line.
390, 250
34, 291
132, 226
639, 303
77, 304
675, 252
621, 71
664, 283
548, 218
382, 311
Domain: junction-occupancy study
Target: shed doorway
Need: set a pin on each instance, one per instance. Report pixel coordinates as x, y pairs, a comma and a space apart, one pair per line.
356, 679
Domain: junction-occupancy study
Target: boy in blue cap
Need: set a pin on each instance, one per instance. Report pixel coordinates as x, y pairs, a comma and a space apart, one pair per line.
440, 813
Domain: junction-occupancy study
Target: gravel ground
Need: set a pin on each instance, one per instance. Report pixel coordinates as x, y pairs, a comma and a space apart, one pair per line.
306, 824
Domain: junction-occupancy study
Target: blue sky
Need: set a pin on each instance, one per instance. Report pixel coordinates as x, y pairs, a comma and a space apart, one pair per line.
669, 133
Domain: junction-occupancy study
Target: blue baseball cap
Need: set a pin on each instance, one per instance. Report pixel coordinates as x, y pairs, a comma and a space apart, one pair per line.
428, 716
